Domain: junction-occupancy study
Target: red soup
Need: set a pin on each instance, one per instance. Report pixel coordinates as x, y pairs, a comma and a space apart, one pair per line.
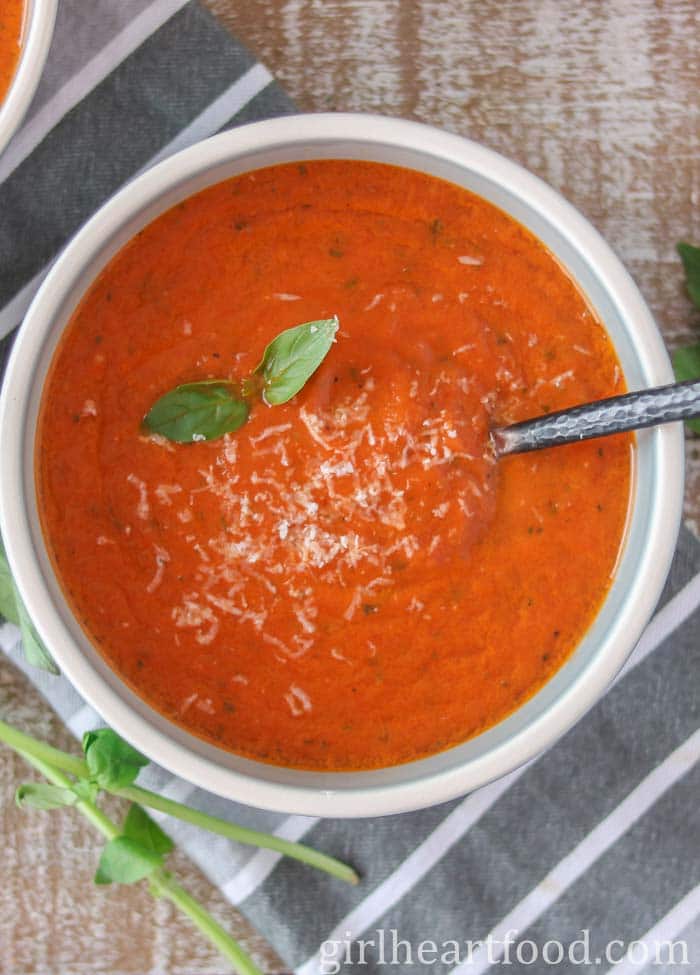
350, 580
11, 18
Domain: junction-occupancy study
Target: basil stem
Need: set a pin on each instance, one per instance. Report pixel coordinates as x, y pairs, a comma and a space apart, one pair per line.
241, 834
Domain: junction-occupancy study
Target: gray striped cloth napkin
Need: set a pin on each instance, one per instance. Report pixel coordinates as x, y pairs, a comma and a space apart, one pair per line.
586, 856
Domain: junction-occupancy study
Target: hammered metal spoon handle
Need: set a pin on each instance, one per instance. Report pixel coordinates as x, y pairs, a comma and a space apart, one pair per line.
631, 411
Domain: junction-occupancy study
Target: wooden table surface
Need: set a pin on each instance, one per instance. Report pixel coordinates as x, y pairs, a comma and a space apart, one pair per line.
600, 99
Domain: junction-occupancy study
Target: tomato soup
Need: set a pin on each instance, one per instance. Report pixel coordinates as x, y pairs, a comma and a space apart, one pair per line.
350, 580
11, 19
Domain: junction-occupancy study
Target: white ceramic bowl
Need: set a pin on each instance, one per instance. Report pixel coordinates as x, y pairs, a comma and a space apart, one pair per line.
657, 487
39, 20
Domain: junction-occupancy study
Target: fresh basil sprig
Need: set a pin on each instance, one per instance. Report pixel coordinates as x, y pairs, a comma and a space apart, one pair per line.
686, 361
208, 409
138, 848
12, 608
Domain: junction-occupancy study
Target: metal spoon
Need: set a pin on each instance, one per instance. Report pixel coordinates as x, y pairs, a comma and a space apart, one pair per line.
632, 411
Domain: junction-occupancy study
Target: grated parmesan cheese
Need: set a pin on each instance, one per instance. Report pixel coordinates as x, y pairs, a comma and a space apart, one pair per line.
143, 509
162, 559
333, 510
298, 700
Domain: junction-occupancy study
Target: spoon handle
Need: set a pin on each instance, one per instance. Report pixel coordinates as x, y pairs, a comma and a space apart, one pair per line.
631, 411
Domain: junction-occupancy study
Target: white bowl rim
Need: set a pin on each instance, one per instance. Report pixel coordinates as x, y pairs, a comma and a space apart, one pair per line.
37, 34
334, 801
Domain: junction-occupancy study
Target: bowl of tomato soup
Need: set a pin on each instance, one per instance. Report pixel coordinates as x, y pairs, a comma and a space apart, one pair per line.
26, 28
346, 607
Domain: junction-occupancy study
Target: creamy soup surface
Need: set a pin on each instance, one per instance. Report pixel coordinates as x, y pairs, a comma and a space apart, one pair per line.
350, 580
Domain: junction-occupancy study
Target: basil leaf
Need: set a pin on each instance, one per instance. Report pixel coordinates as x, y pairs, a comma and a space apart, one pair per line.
125, 861
139, 826
691, 262
84, 789
35, 652
686, 365
12, 608
41, 795
293, 357
197, 411
8, 605
112, 762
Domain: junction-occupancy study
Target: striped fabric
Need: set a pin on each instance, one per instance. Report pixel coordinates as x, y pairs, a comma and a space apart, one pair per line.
599, 835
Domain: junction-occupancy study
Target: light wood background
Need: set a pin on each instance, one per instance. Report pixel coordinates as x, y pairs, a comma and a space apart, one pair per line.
601, 99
